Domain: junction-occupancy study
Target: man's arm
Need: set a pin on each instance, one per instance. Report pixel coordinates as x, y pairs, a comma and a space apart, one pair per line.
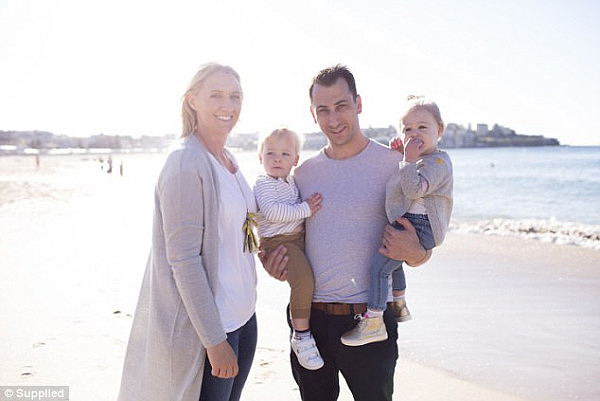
404, 244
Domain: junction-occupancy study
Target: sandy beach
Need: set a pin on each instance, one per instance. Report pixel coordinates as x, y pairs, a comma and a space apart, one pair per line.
495, 318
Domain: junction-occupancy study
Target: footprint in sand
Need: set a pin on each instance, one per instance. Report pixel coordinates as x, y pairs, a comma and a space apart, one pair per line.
266, 360
43, 343
27, 371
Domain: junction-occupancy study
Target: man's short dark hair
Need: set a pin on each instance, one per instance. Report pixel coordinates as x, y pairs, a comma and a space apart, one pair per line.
329, 76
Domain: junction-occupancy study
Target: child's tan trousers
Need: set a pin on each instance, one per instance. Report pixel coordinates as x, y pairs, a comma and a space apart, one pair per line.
299, 274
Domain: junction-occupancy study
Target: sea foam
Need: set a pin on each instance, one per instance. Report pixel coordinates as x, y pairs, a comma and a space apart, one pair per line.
550, 230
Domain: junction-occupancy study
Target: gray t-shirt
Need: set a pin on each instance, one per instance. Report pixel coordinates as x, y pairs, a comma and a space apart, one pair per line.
343, 236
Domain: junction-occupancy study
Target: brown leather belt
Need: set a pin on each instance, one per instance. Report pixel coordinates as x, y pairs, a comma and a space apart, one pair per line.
336, 308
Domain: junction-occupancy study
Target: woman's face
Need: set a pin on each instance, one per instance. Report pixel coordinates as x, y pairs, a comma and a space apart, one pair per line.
217, 103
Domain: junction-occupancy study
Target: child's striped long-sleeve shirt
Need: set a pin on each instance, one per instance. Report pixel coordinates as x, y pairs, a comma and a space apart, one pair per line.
280, 209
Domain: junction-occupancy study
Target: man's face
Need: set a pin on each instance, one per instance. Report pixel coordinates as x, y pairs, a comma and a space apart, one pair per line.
336, 112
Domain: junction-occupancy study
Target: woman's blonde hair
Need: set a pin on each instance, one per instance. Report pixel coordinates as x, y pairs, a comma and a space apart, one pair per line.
188, 115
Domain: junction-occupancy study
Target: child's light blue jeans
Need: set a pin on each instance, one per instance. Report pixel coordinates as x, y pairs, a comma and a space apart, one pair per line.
382, 267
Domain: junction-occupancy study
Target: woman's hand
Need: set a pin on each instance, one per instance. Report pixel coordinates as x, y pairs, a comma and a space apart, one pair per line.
275, 262
404, 244
223, 360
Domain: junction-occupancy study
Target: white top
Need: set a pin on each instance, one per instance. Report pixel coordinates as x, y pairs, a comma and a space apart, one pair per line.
281, 210
417, 207
235, 292
176, 317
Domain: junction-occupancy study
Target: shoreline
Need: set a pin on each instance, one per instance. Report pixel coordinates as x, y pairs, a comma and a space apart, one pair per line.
546, 231
495, 318
41, 184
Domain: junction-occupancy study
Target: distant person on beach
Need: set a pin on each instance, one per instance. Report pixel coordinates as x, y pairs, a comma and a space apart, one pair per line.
194, 332
281, 214
110, 164
351, 173
419, 190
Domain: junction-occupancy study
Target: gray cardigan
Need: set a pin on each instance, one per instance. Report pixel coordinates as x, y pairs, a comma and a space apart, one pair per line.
176, 316
405, 185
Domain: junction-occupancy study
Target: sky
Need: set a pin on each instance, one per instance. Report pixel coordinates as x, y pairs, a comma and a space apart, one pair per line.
120, 67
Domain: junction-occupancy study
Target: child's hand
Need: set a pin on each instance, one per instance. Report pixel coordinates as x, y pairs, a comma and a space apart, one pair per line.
412, 149
397, 145
314, 202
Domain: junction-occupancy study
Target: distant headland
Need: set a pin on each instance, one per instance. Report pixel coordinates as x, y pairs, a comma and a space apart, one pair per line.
455, 136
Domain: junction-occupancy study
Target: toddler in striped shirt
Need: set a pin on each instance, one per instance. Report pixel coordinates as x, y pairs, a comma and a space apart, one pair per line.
280, 221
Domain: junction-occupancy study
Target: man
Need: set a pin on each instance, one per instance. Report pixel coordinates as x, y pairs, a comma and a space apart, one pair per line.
350, 173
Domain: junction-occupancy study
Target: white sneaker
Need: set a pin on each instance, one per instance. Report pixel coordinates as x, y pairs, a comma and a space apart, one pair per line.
307, 352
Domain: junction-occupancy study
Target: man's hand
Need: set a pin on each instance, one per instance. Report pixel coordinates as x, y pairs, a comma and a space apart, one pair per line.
223, 360
404, 244
275, 262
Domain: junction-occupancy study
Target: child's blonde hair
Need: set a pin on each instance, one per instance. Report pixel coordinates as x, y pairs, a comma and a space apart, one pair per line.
281, 133
423, 102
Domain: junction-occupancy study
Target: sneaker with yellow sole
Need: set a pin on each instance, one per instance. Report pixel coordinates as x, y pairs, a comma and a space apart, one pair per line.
400, 310
368, 330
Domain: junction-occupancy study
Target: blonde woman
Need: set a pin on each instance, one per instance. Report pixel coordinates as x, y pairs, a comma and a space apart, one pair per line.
194, 331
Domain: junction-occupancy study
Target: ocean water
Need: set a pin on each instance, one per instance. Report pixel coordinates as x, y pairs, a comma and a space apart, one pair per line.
547, 193
560, 183
550, 194
547, 183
